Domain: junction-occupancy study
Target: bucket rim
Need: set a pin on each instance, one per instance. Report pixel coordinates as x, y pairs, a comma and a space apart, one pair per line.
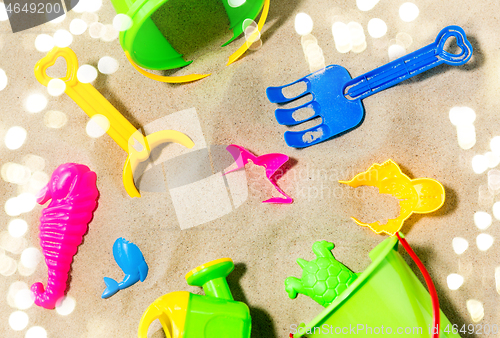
377, 254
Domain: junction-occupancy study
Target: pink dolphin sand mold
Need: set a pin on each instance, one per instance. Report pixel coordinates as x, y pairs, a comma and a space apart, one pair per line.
73, 193
272, 162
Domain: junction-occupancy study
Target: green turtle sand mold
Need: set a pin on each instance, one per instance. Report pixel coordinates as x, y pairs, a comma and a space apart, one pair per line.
323, 279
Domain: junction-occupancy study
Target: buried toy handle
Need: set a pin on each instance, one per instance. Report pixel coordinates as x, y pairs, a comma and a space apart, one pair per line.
428, 281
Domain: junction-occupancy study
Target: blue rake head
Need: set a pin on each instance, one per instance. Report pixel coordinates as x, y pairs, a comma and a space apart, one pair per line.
338, 115
336, 98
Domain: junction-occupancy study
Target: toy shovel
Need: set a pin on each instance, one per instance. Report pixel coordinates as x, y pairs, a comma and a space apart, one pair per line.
121, 130
336, 98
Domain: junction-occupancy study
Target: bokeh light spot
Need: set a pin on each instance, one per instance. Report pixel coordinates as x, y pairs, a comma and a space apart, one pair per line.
86, 73
15, 137
35, 103
18, 320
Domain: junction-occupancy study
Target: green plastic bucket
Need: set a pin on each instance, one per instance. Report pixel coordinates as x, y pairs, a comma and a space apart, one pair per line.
147, 46
386, 299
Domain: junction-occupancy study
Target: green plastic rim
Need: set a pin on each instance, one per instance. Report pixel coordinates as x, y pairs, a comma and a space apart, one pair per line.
147, 46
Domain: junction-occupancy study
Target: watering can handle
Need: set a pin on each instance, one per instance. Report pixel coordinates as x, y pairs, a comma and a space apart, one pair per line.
410, 65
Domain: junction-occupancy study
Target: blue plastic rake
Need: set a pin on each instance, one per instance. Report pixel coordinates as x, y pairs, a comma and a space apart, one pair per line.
336, 98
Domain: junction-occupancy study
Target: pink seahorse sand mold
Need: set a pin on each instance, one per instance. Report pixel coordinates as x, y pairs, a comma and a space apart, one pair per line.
72, 189
272, 162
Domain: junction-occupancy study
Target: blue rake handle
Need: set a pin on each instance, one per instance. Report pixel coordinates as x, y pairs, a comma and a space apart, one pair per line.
410, 65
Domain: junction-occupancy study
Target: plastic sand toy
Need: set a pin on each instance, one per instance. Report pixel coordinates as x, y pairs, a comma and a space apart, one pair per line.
272, 162
323, 279
137, 146
73, 194
215, 315
420, 195
387, 296
130, 259
336, 98
145, 46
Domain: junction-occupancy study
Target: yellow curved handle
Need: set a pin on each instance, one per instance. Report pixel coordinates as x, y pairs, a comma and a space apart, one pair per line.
236, 55
50, 59
151, 141
167, 79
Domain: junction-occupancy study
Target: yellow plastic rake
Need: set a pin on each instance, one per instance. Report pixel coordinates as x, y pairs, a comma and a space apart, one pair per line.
137, 146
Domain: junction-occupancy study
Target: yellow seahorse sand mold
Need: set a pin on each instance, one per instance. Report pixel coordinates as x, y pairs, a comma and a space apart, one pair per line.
420, 195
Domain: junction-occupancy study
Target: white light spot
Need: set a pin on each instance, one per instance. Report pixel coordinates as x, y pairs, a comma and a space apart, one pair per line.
15, 173
14, 288
31, 257
236, 3
92, 5
86, 73
55, 119
58, 19
408, 12
495, 145
496, 210
479, 164
13, 207
36, 103
37, 181
482, 220
77, 26
475, 309
497, 279
462, 116
307, 40
122, 22
17, 227
396, 51
44, 43
4, 16
252, 33
466, 135
80, 7
34, 162
303, 24
36, 332
18, 320
358, 37
484, 242
377, 28
486, 197
8, 266
110, 33
459, 245
56, 87
11, 244
62, 38
27, 201
23, 299
493, 159
494, 181
96, 30
454, 281
366, 5
66, 306
342, 37
15, 137
97, 126
3, 80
